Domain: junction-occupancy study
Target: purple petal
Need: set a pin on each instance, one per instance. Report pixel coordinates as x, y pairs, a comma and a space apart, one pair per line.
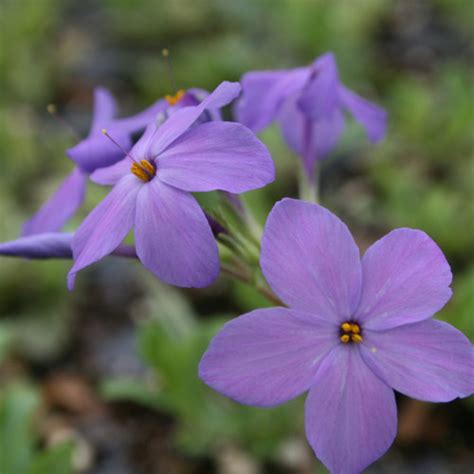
311, 140
350, 415
106, 226
142, 119
173, 238
112, 174
264, 93
60, 207
217, 155
140, 149
268, 356
181, 120
320, 95
198, 95
97, 151
372, 117
325, 134
430, 360
105, 109
406, 279
292, 125
51, 245
310, 260
47, 245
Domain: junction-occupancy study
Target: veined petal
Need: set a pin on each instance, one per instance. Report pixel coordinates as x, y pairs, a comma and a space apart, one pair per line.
268, 356
430, 360
216, 155
320, 95
38, 246
97, 151
350, 414
106, 226
105, 109
264, 93
310, 260
173, 238
60, 207
406, 279
371, 116
182, 119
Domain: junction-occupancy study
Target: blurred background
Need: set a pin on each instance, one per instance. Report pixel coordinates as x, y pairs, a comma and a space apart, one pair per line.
103, 380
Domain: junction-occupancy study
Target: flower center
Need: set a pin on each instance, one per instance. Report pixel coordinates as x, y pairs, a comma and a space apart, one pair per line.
143, 170
174, 99
350, 332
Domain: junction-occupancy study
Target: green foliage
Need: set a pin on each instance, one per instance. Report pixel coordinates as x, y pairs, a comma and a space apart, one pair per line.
204, 416
18, 451
172, 342
17, 404
56, 460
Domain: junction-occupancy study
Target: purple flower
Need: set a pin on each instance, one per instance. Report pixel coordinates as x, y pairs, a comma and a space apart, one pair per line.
355, 330
93, 152
173, 238
308, 104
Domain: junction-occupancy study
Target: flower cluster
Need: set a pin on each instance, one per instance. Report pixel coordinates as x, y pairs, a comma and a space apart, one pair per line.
353, 330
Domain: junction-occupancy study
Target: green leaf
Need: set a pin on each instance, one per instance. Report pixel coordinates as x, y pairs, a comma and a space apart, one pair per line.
56, 460
17, 403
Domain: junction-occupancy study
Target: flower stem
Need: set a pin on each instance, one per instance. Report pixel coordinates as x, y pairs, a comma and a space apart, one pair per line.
308, 186
246, 277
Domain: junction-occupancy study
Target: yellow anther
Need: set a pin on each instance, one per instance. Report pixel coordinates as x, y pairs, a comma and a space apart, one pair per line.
355, 329
143, 170
356, 338
149, 168
174, 99
165, 52
346, 327
345, 338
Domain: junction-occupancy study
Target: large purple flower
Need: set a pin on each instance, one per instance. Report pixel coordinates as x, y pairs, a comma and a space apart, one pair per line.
308, 104
95, 151
152, 194
355, 330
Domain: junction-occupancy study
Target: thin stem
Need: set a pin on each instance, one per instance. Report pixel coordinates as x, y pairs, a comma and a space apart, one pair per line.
247, 279
120, 147
166, 55
308, 186
53, 111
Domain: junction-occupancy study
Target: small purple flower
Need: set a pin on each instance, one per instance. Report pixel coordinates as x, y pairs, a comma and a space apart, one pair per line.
152, 194
355, 330
308, 104
95, 151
